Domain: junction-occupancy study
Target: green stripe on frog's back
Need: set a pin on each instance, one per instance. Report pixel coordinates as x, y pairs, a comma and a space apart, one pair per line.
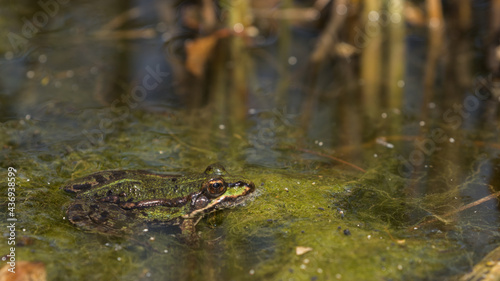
102, 178
144, 187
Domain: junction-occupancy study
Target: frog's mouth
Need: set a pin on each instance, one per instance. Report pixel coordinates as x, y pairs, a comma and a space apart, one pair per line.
225, 201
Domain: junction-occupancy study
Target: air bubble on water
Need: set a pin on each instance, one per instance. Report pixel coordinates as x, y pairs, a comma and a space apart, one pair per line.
238, 28
341, 9
373, 16
9, 55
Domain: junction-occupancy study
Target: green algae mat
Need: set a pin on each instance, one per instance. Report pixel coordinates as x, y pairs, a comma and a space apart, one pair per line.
311, 218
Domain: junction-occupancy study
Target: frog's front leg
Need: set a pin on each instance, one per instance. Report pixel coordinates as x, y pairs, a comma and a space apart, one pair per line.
188, 229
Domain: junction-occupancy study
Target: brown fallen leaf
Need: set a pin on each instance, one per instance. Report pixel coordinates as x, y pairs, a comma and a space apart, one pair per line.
344, 50
300, 250
414, 15
199, 50
24, 271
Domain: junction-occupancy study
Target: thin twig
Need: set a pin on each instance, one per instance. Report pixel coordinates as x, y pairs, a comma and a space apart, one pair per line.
133, 34
331, 157
464, 207
121, 19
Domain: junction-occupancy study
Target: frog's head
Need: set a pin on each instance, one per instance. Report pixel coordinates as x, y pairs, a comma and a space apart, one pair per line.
219, 191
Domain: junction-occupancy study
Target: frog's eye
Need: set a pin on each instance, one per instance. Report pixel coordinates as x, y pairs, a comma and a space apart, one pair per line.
216, 187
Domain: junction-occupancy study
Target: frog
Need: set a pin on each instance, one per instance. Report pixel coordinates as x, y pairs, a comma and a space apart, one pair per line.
116, 201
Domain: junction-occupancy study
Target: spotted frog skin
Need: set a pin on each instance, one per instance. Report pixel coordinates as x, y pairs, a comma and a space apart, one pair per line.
115, 201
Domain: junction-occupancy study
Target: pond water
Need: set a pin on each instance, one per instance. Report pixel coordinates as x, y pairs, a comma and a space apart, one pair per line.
374, 160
